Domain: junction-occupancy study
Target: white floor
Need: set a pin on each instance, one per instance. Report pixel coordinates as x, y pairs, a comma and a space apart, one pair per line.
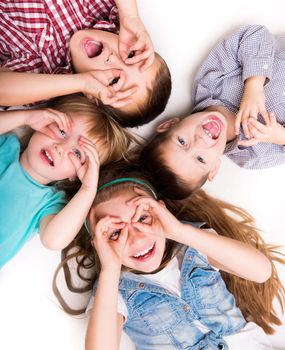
30, 318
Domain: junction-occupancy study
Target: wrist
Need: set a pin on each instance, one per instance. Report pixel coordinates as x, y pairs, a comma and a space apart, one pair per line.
255, 83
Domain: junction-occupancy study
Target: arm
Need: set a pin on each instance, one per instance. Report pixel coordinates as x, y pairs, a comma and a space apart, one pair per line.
36, 87
104, 314
228, 254
57, 231
134, 41
249, 52
37, 119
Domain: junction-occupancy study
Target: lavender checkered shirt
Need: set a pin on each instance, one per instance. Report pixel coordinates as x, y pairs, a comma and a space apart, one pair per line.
251, 51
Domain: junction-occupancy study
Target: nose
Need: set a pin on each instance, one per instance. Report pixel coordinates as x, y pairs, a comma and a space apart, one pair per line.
200, 141
114, 60
63, 147
135, 235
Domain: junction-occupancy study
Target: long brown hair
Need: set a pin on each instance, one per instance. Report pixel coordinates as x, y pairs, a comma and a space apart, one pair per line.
254, 299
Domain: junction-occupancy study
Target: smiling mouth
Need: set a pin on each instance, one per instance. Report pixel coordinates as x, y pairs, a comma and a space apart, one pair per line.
213, 127
93, 48
46, 156
146, 253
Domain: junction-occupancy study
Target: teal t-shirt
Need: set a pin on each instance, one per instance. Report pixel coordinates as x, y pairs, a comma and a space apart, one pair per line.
23, 201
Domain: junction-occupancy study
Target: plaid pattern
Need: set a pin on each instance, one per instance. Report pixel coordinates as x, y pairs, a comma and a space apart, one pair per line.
35, 34
251, 51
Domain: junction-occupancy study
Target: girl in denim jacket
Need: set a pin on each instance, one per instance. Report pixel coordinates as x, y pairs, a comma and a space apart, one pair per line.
157, 275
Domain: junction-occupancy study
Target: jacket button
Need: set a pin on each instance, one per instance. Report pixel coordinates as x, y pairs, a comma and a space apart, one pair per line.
221, 346
141, 285
190, 257
186, 307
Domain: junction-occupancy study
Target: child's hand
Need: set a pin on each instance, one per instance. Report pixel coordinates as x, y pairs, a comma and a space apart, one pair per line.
252, 103
272, 132
162, 224
39, 119
110, 251
88, 171
134, 42
106, 85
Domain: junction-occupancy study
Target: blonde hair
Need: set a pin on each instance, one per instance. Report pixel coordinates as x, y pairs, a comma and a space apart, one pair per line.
254, 299
113, 140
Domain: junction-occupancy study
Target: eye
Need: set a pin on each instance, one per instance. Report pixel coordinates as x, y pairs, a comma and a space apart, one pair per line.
77, 153
63, 133
201, 160
131, 54
181, 141
114, 81
142, 218
115, 235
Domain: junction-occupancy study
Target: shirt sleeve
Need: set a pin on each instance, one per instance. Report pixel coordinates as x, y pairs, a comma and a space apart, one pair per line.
54, 205
122, 307
246, 53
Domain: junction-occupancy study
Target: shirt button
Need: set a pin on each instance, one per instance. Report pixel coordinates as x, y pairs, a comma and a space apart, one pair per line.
221, 346
186, 307
48, 38
190, 258
265, 66
141, 285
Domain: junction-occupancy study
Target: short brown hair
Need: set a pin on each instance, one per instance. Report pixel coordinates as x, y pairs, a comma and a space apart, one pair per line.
154, 104
165, 180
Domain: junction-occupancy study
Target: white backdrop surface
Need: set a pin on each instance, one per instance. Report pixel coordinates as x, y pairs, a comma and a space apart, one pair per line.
183, 32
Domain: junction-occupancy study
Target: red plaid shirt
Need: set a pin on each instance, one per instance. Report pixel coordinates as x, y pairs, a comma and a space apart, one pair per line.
35, 34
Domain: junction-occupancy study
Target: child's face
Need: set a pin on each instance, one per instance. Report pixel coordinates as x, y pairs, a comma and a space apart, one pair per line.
143, 252
47, 160
194, 145
98, 50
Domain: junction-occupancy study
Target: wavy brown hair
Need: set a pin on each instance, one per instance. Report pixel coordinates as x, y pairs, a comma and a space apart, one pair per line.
254, 299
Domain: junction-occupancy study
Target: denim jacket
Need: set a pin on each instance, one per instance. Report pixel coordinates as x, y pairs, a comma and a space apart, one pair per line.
158, 319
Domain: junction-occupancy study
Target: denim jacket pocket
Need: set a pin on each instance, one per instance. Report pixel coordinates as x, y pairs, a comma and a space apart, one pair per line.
208, 286
157, 313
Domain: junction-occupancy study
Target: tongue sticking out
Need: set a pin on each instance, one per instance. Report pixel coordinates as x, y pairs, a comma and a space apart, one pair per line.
93, 48
212, 129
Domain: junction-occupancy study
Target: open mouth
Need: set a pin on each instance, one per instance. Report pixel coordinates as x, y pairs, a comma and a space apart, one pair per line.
93, 48
46, 156
146, 253
213, 127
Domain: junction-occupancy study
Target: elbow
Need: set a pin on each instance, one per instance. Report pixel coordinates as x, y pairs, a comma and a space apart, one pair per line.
265, 272
50, 243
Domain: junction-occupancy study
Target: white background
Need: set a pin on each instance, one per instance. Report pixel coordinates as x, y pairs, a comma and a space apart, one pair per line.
30, 318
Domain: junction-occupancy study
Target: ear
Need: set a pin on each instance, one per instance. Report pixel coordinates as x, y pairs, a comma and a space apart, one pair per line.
168, 124
213, 172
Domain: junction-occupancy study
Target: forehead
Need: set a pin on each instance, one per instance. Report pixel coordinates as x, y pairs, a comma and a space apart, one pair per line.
117, 205
181, 162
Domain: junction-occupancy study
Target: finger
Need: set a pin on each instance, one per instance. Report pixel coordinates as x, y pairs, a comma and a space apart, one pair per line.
123, 235
47, 131
139, 210
142, 43
147, 63
265, 116
245, 128
255, 132
255, 124
75, 162
120, 95
272, 119
121, 82
248, 143
91, 153
123, 50
139, 57
237, 122
123, 103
